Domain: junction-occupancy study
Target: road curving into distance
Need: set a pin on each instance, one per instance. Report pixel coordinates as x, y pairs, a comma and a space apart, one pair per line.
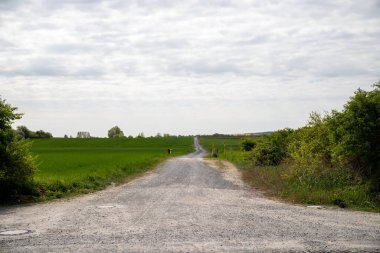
187, 204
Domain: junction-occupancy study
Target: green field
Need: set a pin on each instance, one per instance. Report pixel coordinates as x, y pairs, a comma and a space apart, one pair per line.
227, 147
220, 143
67, 166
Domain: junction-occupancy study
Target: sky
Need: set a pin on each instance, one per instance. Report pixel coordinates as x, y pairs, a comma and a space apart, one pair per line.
184, 67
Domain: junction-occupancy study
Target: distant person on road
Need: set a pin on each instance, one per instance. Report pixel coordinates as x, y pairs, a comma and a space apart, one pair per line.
169, 151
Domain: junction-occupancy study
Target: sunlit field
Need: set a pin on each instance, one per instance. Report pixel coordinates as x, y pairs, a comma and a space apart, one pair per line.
70, 165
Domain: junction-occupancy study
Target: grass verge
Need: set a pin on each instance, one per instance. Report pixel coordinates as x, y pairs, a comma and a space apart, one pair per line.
322, 190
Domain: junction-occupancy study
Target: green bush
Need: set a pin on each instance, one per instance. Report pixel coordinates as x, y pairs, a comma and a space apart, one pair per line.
355, 133
248, 144
310, 148
270, 149
16, 163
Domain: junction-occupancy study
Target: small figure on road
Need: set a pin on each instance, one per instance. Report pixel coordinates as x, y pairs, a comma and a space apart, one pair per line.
169, 151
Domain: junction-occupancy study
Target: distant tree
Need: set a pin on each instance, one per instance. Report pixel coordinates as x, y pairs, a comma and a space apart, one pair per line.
115, 132
43, 134
17, 165
166, 135
83, 134
141, 135
25, 133
158, 135
65, 136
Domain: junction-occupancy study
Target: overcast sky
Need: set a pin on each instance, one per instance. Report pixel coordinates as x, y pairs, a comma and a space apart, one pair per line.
183, 67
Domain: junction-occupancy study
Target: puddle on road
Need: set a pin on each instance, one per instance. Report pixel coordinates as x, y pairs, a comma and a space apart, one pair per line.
16, 232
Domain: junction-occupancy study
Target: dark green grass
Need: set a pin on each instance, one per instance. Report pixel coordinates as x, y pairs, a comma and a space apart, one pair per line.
69, 166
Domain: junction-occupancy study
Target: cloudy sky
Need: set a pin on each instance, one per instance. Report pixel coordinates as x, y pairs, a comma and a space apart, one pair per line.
183, 67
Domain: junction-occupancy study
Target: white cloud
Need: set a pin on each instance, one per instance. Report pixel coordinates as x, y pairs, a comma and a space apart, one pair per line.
188, 66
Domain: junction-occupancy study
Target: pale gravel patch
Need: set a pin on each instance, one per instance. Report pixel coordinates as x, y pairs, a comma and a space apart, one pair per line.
228, 170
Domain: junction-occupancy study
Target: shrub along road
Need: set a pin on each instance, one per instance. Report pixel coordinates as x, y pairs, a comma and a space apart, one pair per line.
187, 204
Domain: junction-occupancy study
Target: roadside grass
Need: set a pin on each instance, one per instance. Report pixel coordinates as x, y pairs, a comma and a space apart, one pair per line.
72, 166
335, 188
317, 190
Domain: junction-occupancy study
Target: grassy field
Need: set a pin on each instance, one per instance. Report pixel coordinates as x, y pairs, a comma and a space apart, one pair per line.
69, 166
224, 145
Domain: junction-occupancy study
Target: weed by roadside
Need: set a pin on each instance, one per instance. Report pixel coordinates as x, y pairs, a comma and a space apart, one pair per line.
334, 189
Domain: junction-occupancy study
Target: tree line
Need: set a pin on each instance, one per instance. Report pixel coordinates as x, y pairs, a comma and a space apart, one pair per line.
25, 133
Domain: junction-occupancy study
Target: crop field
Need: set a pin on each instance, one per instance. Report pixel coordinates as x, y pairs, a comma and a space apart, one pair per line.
232, 143
81, 165
227, 147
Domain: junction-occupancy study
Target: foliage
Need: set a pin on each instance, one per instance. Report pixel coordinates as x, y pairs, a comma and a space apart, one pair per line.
115, 132
25, 133
42, 134
310, 148
248, 144
355, 133
16, 163
83, 134
334, 159
334, 188
270, 149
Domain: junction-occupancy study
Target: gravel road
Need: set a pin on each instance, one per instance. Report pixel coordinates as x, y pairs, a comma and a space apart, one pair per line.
188, 204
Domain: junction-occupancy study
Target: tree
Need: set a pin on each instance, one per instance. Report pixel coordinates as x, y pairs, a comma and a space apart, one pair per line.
115, 132
25, 133
17, 165
43, 134
141, 135
356, 134
83, 134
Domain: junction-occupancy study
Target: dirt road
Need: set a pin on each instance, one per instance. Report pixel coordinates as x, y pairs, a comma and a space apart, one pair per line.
186, 205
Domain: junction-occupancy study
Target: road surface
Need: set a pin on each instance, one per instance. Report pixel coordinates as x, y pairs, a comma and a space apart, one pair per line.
188, 204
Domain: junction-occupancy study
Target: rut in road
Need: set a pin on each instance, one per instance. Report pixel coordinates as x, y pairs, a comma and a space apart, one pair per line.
188, 204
